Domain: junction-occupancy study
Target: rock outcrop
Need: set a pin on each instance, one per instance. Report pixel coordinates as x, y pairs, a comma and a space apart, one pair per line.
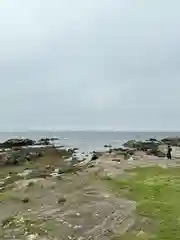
173, 141
151, 146
43, 141
142, 145
17, 142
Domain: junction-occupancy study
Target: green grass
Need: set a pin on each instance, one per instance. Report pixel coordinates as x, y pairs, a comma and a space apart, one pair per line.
157, 193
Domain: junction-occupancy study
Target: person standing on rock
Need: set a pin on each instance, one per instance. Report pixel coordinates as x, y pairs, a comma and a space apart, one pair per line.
169, 152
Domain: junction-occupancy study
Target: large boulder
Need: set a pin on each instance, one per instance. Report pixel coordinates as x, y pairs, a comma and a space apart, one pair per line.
3, 158
43, 141
54, 139
107, 146
123, 151
46, 141
151, 146
173, 141
132, 144
156, 153
14, 157
148, 144
17, 142
142, 145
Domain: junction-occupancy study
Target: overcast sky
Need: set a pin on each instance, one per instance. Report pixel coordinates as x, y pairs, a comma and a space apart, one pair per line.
90, 64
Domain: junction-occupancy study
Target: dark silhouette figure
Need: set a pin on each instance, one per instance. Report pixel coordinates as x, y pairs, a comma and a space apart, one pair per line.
169, 153
94, 156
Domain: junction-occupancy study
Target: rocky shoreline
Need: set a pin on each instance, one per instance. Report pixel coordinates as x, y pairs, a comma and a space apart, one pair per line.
150, 147
52, 192
17, 151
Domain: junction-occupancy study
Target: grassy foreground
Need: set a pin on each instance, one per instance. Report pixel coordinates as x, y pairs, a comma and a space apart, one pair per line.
157, 193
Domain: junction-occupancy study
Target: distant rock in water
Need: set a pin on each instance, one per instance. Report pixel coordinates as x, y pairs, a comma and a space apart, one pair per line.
19, 142
54, 139
43, 141
47, 140
153, 140
107, 146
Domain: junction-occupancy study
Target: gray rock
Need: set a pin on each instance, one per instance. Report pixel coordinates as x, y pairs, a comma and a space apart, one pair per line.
107, 146
43, 141
142, 145
26, 200
17, 142
61, 200
173, 141
116, 160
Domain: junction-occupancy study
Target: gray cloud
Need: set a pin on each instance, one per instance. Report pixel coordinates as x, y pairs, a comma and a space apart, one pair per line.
96, 64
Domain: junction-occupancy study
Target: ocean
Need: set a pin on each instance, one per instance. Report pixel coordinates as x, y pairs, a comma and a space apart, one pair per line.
89, 140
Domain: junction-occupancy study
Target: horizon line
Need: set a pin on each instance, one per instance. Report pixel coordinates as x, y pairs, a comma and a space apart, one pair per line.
91, 130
